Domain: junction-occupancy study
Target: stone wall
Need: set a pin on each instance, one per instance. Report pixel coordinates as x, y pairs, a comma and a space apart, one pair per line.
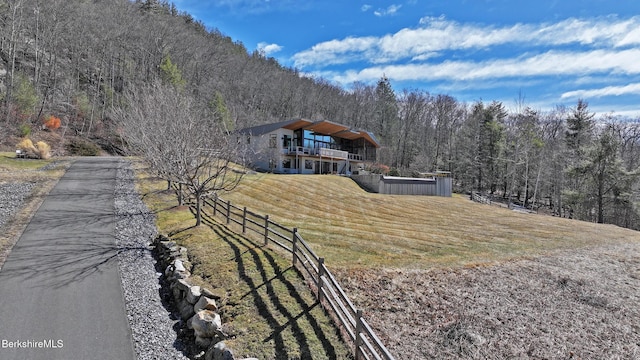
197, 306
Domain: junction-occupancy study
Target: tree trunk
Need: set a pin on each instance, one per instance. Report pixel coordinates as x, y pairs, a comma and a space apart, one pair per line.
526, 182
601, 197
198, 210
535, 189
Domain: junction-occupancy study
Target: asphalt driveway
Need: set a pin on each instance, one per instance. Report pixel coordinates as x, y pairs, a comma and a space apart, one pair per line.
60, 290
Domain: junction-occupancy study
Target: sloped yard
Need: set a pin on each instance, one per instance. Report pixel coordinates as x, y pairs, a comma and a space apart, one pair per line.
447, 278
355, 229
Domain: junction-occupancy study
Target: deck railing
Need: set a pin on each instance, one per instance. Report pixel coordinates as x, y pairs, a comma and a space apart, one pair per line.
330, 295
332, 153
323, 152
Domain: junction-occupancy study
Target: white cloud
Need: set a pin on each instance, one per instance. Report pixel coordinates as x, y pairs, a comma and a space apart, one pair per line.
391, 10
335, 51
609, 31
437, 34
633, 89
366, 7
552, 63
597, 56
269, 49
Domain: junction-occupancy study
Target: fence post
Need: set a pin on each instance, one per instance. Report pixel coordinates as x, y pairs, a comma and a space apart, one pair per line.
266, 230
215, 204
320, 275
358, 341
295, 246
244, 220
228, 211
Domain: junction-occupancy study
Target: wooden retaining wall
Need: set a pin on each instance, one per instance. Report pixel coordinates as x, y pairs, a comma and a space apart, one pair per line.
436, 186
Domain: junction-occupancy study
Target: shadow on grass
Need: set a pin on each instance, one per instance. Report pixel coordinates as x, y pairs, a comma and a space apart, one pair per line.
273, 304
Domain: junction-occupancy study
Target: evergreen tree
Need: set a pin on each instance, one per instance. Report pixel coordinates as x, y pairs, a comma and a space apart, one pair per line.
220, 112
489, 145
386, 119
579, 128
25, 97
170, 73
578, 139
609, 184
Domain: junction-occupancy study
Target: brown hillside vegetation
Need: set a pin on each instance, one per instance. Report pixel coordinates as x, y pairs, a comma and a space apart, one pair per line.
447, 278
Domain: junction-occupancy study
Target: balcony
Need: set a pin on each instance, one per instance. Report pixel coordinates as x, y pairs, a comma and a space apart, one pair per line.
323, 152
334, 154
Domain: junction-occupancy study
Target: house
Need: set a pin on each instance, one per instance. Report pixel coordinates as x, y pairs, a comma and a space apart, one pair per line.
301, 146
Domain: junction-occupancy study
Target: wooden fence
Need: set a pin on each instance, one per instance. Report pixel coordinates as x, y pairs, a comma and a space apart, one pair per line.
330, 295
479, 198
486, 200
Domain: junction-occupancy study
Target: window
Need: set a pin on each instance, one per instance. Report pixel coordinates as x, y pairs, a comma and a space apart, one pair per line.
286, 163
315, 141
308, 164
286, 141
273, 141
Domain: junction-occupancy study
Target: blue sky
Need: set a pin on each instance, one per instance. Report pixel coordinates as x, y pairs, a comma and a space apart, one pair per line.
548, 52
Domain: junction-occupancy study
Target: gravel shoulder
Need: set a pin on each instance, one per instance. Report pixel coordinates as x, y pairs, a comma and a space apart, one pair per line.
152, 324
12, 197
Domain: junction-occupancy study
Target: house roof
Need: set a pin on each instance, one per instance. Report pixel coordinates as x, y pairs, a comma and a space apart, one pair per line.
267, 128
321, 127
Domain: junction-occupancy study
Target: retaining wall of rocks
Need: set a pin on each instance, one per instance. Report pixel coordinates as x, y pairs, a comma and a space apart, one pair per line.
197, 306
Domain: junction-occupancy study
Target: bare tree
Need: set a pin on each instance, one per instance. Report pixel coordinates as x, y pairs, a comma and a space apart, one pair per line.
181, 141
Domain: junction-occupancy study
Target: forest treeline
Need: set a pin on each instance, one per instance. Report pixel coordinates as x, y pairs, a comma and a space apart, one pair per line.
77, 59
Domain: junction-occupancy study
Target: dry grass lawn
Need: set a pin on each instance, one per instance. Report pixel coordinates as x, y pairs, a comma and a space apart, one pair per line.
353, 229
445, 278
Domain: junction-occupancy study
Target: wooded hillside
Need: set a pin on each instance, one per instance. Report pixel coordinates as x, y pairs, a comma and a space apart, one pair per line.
76, 60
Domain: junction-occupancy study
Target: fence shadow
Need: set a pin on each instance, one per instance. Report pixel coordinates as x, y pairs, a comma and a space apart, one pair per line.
273, 304
348, 320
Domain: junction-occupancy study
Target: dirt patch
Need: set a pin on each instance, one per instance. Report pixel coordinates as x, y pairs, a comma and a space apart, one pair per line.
574, 304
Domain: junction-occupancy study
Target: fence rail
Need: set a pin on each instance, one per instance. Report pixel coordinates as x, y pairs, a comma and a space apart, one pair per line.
330, 295
480, 199
487, 200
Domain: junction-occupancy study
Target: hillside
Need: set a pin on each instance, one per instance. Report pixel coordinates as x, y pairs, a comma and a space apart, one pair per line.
76, 60
83, 62
445, 278
354, 228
